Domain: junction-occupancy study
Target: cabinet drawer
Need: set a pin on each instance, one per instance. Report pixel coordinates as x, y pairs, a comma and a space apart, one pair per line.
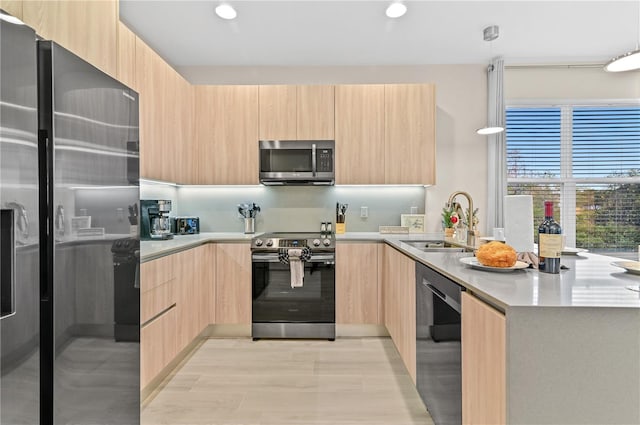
157, 346
156, 300
157, 272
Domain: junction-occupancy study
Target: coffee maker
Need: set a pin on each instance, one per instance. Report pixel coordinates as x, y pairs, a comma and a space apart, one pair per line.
156, 223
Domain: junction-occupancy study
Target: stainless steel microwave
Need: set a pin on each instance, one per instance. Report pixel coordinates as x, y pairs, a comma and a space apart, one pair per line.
297, 162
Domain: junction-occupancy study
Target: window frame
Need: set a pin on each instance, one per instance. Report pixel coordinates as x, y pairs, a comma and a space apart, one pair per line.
566, 181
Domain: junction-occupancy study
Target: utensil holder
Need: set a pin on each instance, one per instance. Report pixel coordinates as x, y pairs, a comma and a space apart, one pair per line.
249, 225
340, 228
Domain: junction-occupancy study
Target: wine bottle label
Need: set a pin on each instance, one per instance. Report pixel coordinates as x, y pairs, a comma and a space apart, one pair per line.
550, 245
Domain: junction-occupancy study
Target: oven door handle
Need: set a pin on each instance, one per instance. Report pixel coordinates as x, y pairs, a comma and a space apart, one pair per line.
273, 258
265, 258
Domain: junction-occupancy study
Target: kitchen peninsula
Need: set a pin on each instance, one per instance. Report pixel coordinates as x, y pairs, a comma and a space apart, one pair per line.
571, 350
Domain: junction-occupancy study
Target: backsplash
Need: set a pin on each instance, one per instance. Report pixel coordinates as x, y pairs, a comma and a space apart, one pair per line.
290, 208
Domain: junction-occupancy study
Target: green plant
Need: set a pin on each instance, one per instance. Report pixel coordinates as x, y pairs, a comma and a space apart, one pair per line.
449, 217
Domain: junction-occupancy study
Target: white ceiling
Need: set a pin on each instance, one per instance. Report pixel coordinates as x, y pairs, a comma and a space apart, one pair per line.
357, 33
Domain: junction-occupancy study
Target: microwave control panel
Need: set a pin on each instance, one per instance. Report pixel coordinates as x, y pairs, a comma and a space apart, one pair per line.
325, 160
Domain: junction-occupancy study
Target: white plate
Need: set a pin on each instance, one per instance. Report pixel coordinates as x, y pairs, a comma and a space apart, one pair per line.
630, 266
572, 251
474, 263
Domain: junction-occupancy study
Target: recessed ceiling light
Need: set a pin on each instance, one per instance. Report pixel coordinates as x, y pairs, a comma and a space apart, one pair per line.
226, 11
396, 10
10, 19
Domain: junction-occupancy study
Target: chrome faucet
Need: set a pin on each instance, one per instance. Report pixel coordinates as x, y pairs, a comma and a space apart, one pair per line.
471, 232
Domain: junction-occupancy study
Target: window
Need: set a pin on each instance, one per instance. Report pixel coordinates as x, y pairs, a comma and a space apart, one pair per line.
587, 160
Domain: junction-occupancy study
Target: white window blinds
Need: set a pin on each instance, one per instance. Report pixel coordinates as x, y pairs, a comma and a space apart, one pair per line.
587, 160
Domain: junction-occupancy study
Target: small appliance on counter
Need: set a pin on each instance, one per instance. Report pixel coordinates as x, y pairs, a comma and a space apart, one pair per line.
185, 225
156, 223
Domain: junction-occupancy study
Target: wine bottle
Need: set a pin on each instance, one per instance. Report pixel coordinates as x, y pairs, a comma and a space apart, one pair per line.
549, 242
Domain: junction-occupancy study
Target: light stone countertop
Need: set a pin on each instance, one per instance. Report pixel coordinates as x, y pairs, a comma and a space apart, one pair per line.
150, 250
590, 281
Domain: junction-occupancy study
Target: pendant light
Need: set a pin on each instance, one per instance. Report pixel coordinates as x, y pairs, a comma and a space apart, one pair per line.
489, 34
629, 61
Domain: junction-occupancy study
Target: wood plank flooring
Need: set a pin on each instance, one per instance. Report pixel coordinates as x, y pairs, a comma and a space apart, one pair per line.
348, 381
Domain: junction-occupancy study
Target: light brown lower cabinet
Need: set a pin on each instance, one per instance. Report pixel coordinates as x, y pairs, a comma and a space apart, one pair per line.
399, 292
233, 283
357, 283
176, 306
157, 345
483, 363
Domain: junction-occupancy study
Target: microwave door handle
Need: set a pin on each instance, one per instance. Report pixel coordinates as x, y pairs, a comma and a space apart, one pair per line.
313, 159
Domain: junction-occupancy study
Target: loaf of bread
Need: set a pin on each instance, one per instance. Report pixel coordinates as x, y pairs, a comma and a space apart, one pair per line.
496, 254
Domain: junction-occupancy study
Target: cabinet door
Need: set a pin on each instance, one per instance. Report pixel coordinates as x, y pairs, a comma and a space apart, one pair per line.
205, 257
126, 56
233, 284
400, 305
87, 28
12, 7
157, 287
147, 78
187, 326
227, 134
315, 112
357, 283
410, 134
483, 363
186, 151
360, 134
157, 346
277, 112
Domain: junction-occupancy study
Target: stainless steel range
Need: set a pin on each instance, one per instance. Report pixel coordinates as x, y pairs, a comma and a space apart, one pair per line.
293, 277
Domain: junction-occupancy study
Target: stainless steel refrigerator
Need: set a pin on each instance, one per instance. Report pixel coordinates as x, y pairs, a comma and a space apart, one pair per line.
69, 351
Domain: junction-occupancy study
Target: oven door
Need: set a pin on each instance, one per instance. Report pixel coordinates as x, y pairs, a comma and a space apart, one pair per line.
275, 301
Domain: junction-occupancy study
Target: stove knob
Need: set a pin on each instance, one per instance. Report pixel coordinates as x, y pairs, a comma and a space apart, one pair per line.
316, 242
326, 242
269, 242
259, 242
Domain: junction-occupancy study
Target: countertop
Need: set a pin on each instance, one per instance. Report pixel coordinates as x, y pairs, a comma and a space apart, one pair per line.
150, 250
590, 281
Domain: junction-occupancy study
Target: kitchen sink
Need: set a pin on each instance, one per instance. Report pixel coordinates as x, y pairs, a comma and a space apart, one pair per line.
435, 246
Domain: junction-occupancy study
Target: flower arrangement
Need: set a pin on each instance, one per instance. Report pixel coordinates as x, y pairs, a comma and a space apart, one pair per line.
450, 217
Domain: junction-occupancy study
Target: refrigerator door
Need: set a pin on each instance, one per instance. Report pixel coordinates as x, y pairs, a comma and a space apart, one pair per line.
89, 130
19, 289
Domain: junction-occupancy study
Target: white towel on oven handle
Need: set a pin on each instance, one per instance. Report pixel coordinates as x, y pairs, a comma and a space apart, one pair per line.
296, 266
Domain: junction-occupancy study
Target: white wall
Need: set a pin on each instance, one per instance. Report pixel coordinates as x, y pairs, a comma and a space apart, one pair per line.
461, 98
570, 83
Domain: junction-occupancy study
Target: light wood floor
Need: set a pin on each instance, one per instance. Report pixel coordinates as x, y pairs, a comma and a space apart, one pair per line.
283, 382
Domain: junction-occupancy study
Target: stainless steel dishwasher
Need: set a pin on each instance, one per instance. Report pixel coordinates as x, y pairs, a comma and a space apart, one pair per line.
438, 360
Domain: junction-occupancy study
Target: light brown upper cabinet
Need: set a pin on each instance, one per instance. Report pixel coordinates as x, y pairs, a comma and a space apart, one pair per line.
149, 79
360, 134
296, 112
227, 134
277, 106
87, 28
315, 116
126, 56
410, 134
12, 7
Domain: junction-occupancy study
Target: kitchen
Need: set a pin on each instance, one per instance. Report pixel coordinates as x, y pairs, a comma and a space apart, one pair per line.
187, 163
